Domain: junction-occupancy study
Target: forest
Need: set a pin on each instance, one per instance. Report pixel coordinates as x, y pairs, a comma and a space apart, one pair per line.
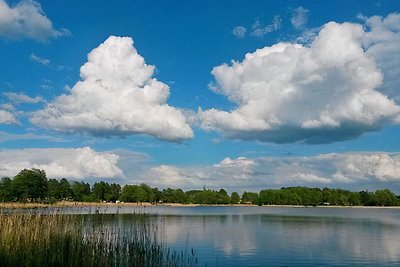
32, 185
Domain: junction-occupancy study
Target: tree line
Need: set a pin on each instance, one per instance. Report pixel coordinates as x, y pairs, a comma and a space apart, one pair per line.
32, 185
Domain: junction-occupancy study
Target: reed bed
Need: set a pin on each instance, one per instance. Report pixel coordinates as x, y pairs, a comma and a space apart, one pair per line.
29, 239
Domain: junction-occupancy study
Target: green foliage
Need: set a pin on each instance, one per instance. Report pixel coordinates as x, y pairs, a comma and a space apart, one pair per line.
368, 198
386, 198
100, 190
315, 196
207, 196
32, 185
5, 189
53, 187
292, 196
250, 198
174, 196
113, 193
147, 194
65, 189
29, 185
80, 191
157, 194
136, 193
235, 198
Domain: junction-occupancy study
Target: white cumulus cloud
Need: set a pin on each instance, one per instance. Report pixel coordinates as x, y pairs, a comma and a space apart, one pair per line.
26, 20
380, 166
336, 169
382, 43
76, 163
229, 173
354, 171
7, 117
166, 176
325, 92
116, 96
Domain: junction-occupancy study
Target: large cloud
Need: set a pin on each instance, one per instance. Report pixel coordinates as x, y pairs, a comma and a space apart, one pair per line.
356, 171
26, 20
75, 163
325, 92
347, 168
117, 96
382, 43
166, 176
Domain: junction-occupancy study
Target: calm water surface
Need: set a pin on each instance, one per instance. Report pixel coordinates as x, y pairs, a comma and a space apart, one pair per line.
279, 236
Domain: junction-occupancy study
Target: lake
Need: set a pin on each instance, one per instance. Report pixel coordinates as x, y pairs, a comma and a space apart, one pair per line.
277, 236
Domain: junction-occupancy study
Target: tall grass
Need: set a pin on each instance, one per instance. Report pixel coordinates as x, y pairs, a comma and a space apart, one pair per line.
28, 239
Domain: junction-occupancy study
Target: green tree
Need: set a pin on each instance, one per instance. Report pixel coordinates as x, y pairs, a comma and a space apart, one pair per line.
65, 189
5, 189
30, 184
386, 198
128, 194
174, 196
267, 197
150, 196
354, 199
368, 198
114, 192
235, 198
249, 198
53, 186
80, 191
157, 194
100, 190
223, 197
133, 193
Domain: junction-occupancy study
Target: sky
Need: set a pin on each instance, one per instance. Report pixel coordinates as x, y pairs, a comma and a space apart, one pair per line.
241, 95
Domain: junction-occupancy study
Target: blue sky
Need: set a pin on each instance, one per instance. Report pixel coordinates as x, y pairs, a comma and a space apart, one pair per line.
189, 94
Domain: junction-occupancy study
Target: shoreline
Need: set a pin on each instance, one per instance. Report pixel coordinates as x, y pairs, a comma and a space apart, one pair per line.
14, 205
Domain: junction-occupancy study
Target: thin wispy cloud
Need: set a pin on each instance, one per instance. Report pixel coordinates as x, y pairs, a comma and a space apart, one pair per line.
5, 137
45, 62
21, 98
259, 30
239, 31
299, 17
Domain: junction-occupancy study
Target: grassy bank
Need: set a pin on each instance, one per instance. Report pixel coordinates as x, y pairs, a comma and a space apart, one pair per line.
61, 204
85, 240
